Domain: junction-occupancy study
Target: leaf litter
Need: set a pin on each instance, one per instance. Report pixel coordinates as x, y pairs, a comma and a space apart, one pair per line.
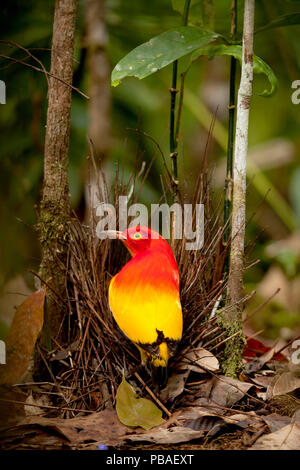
215, 407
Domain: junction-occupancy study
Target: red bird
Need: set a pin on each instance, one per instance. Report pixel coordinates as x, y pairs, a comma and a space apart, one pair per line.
144, 298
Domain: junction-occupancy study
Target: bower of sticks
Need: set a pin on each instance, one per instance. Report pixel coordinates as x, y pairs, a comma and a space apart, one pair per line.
90, 369
201, 407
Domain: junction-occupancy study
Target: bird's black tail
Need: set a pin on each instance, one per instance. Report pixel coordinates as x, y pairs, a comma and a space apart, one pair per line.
159, 376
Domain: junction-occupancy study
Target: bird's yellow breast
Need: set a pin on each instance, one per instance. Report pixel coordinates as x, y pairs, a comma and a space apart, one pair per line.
144, 299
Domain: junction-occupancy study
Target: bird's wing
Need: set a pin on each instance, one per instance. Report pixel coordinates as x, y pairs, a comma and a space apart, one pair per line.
144, 299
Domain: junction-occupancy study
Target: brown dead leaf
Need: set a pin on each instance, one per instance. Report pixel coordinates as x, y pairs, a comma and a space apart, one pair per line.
34, 407
262, 380
172, 435
296, 417
194, 423
175, 385
282, 384
201, 418
259, 362
276, 421
102, 427
21, 338
198, 357
286, 438
223, 391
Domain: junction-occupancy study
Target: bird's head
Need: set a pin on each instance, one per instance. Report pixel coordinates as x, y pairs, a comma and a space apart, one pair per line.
139, 239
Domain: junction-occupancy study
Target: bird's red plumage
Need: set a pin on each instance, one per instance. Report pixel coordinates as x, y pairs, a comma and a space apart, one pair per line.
144, 295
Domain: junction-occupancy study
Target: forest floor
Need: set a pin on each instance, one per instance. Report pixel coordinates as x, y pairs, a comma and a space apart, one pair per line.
260, 410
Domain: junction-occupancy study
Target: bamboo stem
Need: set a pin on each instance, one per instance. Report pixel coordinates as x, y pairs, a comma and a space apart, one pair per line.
173, 133
231, 318
235, 282
231, 118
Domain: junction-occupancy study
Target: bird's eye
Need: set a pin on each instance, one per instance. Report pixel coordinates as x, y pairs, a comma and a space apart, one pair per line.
137, 236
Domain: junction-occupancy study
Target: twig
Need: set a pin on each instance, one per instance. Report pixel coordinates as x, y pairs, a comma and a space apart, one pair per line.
261, 305
153, 395
45, 72
288, 344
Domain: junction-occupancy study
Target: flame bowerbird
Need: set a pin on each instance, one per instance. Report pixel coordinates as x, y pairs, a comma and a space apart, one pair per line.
144, 298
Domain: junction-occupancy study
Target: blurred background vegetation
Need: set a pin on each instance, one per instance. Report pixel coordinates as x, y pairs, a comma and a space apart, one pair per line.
274, 138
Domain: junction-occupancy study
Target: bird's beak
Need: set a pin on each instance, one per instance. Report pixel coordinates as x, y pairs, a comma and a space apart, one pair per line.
112, 234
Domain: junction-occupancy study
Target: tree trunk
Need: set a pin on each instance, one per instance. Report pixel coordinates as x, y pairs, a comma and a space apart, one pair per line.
53, 224
232, 318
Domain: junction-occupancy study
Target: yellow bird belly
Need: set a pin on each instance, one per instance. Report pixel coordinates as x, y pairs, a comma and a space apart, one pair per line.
141, 310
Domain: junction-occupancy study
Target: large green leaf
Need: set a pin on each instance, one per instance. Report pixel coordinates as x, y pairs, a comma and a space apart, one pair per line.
160, 51
259, 66
134, 411
291, 19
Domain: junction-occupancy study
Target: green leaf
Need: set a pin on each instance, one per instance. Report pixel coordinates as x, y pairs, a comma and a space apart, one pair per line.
160, 51
259, 66
292, 19
134, 411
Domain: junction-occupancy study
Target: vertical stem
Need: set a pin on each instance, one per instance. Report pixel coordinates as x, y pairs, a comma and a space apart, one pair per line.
173, 135
174, 91
235, 283
231, 118
186, 12
173, 142
231, 318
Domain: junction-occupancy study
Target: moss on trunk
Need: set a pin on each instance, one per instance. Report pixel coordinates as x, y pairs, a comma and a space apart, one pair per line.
230, 320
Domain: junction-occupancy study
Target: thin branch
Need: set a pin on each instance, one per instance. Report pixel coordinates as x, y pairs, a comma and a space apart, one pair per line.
42, 69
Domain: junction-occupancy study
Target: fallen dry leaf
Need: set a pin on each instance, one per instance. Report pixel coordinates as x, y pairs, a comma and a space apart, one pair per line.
34, 407
282, 384
175, 385
167, 436
103, 427
199, 360
286, 438
21, 338
276, 421
262, 380
223, 391
201, 418
259, 362
296, 417
194, 423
